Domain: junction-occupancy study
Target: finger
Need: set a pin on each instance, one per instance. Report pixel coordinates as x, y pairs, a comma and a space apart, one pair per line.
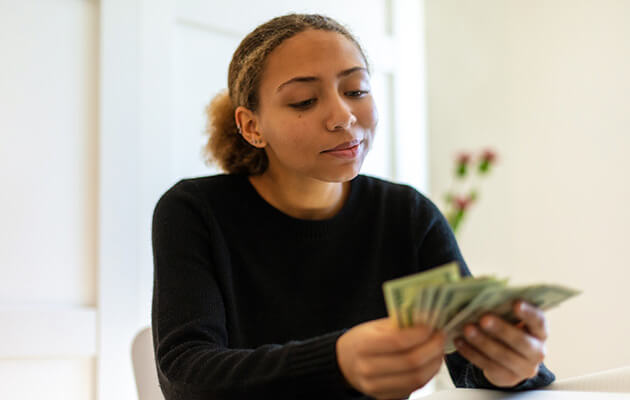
386, 338
489, 366
528, 346
401, 385
402, 362
533, 317
497, 351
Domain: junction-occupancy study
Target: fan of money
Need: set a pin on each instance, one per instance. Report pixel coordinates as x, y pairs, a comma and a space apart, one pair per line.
444, 300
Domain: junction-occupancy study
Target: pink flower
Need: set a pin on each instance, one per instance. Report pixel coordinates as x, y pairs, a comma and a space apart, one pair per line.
463, 202
489, 156
463, 158
462, 165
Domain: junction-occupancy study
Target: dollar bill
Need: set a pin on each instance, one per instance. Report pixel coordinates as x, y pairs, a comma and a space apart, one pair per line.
401, 294
433, 293
483, 303
441, 299
542, 296
454, 297
499, 301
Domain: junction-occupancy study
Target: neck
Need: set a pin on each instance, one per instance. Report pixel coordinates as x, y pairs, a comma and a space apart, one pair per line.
299, 197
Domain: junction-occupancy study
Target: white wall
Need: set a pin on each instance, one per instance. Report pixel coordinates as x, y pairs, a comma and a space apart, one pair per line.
546, 83
48, 168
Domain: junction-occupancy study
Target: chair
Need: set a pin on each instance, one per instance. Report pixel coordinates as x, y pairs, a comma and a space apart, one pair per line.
144, 369
613, 380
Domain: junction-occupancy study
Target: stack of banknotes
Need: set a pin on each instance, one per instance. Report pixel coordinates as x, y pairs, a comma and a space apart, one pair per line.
442, 299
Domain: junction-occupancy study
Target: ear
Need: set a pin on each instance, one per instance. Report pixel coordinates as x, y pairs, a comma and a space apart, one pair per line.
247, 123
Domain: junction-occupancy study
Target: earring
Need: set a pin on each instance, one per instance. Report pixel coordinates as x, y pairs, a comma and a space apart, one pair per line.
238, 129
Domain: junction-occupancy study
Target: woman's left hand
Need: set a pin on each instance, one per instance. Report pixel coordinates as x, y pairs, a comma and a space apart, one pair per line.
507, 354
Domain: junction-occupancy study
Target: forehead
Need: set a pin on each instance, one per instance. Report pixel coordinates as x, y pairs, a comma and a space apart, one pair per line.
311, 53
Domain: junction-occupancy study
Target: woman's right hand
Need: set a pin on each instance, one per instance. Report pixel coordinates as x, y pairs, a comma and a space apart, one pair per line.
385, 362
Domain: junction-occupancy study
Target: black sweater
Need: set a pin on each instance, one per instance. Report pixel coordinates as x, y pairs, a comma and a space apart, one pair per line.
249, 302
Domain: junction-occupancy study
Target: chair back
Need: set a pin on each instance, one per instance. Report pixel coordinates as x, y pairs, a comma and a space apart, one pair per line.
144, 368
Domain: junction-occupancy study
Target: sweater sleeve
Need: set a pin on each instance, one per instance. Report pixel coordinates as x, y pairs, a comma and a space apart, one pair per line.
193, 357
440, 247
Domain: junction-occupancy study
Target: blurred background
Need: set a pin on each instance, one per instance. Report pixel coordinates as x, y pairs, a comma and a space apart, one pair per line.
102, 110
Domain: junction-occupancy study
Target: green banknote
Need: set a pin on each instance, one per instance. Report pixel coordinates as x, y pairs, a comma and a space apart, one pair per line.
429, 302
483, 303
443, 300
499, 301
454, 297
541, 296
401, 293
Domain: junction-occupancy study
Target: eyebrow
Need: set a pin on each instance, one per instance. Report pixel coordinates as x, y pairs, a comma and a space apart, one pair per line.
343, 73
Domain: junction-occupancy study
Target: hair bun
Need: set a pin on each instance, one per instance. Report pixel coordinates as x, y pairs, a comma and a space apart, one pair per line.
225, 146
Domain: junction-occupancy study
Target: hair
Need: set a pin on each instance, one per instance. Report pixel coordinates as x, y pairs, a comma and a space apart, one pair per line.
226, 146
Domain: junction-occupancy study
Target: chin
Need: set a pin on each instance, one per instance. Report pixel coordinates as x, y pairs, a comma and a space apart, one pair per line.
341, 173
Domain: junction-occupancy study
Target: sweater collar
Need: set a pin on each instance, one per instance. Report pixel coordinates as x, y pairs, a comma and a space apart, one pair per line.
271, 219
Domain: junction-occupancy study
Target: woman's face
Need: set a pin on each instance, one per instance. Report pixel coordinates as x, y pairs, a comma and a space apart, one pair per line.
316, 111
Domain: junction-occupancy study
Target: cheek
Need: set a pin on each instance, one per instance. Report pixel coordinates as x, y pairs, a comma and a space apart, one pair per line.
289, 136
367, 116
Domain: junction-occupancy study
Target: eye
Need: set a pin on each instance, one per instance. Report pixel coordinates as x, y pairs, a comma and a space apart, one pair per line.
357, 93
303, 104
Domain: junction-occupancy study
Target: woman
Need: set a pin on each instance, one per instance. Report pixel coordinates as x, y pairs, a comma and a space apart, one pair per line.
268, 279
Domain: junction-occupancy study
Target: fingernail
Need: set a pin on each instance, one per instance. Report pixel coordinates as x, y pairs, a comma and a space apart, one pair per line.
471, 332
488, 323
522, 306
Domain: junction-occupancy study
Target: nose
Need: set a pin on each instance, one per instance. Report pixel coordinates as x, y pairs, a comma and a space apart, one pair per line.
340, 116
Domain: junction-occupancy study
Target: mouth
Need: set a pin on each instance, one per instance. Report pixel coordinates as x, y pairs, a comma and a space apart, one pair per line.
345, 146
347, 151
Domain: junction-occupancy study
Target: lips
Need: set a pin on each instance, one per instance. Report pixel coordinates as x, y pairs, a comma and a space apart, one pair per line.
345, 146
346, 151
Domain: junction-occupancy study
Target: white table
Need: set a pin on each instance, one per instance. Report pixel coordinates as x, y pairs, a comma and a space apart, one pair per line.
611, 384
480, 394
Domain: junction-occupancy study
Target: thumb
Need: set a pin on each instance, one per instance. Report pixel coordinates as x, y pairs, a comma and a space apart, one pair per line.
406, 338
